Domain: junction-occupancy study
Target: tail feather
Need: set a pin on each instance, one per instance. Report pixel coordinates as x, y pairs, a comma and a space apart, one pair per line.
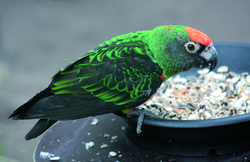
25, 107
41, 126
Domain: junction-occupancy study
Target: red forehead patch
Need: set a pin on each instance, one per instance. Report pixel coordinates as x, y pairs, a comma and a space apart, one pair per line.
198, 36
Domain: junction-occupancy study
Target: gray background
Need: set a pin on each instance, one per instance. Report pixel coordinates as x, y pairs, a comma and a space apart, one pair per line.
37, 38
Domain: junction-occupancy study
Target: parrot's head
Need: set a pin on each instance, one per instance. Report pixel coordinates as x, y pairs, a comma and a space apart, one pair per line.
179, 48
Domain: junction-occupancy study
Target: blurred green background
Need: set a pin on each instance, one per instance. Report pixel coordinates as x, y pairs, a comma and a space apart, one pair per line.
39, 37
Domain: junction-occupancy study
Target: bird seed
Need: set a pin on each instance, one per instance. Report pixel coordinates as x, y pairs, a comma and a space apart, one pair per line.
94, 121
88, 145
112, 153
207, 96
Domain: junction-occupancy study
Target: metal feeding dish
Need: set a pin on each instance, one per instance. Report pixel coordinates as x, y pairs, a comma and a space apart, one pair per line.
199, 137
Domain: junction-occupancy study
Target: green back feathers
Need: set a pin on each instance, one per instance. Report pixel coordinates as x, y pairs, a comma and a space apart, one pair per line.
118, 70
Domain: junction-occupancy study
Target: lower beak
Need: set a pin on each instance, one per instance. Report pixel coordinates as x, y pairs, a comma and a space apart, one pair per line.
211, 57
208, 58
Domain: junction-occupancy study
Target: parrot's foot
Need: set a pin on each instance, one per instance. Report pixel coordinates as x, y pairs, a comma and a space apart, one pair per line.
141, 114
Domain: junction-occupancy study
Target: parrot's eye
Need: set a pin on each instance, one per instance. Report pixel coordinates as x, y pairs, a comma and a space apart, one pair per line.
191, 47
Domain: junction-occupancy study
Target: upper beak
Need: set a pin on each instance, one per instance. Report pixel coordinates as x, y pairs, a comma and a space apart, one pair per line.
209, 58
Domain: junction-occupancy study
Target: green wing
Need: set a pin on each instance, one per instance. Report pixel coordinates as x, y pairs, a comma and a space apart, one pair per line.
117, 74
120, 72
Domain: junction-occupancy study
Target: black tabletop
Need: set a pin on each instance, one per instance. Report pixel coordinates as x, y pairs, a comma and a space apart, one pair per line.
66, 140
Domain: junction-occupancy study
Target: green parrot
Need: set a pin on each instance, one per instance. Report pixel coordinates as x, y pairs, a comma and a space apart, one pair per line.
117, 75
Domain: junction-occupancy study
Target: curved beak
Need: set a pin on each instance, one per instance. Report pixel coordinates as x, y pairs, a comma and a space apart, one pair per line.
209, 57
